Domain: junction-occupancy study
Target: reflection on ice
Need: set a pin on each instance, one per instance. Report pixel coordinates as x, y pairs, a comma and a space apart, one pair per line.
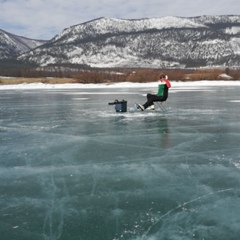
73, 168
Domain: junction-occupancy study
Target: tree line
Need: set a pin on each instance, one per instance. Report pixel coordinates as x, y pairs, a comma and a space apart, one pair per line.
86, 74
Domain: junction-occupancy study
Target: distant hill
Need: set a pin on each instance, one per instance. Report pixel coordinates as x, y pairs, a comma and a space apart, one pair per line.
167, 42
11, 46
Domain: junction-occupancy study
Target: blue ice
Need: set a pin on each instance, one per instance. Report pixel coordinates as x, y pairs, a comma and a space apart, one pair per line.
73, 168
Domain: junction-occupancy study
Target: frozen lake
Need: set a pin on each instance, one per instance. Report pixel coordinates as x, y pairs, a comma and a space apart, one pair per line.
71, 168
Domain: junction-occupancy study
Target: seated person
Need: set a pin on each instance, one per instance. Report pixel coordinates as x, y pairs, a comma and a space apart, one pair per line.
161, 95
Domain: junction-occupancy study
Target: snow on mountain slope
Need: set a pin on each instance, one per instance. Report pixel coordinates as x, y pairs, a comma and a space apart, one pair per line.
235, 44
112, 25
232, 30
12, 45
156, 42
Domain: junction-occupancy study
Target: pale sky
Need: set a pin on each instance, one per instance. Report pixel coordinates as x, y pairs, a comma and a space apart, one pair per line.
43, 19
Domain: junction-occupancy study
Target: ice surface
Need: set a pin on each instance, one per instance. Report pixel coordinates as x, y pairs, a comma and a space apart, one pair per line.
72, 168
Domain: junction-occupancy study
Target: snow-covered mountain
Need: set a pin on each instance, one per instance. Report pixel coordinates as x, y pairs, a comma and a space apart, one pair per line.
156, 42
11, 46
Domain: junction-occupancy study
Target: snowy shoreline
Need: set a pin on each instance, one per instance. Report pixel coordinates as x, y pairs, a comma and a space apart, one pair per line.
116, 85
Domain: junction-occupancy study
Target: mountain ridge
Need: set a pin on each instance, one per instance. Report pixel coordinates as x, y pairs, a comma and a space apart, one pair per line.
167, 42
11, 45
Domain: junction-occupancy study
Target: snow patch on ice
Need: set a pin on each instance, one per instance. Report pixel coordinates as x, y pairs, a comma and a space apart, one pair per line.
234, 101
120, 85
225, 76
80, 99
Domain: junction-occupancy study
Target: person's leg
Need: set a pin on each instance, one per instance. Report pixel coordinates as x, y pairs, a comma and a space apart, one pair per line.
150, 99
